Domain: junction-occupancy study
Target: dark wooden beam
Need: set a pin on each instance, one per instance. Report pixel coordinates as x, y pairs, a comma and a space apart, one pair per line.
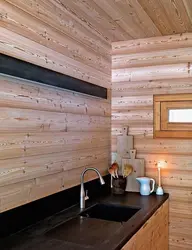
25, 70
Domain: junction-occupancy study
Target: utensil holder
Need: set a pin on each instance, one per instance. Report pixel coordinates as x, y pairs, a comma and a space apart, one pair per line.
119, 185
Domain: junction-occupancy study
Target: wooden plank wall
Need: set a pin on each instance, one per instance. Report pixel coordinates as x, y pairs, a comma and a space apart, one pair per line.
140, 69
48, 135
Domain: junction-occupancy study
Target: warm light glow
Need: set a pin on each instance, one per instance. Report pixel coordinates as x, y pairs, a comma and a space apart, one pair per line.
161, 164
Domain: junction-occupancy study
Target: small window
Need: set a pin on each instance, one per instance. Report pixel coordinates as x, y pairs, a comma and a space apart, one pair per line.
173, 116
180, 115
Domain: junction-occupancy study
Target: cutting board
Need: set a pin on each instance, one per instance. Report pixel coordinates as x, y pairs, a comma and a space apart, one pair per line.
138, 170
124, 145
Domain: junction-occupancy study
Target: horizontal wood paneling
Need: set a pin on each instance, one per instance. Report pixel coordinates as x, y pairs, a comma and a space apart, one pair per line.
28, 144
159, 72
20, 47
39, 97
41, 32
66, 22
29, 167
152, 44
165, 146
127, 103
150, 87
49, 135
19, 120
162, 57
142, 68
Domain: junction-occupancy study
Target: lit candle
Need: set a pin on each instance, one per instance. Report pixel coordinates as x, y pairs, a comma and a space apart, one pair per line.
159, 171
160, 165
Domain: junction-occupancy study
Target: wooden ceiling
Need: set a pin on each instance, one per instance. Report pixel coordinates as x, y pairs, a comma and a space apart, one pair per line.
132, 19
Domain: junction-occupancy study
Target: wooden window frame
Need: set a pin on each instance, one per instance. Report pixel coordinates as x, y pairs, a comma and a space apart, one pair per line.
162, 127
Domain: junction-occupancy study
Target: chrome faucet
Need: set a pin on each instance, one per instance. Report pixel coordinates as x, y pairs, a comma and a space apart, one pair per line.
82, 192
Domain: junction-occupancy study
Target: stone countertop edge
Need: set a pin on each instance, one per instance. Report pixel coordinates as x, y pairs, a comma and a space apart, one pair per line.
150, 206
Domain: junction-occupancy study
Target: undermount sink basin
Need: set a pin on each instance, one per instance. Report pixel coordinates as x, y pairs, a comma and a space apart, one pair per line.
110, 212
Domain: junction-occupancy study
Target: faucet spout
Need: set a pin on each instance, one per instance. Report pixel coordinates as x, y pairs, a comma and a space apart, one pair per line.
82, 192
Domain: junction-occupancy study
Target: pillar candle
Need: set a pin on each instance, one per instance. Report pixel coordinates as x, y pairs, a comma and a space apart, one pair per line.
159, 175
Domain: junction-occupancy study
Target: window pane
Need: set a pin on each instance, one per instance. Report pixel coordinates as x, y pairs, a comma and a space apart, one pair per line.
180, 115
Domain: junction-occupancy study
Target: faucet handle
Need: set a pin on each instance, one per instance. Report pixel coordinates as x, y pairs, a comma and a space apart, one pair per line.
86, 195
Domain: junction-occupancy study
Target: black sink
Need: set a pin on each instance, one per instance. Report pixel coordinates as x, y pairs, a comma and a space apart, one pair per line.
110, 212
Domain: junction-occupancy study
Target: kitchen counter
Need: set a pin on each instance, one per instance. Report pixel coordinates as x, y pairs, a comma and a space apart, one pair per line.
67, 230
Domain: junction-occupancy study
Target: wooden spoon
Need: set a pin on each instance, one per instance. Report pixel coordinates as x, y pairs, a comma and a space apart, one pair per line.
115, 167
113, 172
128, 169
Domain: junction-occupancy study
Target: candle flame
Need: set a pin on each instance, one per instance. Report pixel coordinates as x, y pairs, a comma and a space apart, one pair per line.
161, 164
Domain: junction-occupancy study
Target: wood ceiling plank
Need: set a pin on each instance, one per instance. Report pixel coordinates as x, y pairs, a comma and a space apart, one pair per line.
125, 20
138, 16
156, 12
96, 18
179, 17
188, 7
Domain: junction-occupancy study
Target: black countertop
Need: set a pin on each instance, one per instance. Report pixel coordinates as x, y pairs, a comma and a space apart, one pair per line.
67, 230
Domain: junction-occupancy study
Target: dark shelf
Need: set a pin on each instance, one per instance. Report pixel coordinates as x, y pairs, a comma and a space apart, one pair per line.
25, 70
